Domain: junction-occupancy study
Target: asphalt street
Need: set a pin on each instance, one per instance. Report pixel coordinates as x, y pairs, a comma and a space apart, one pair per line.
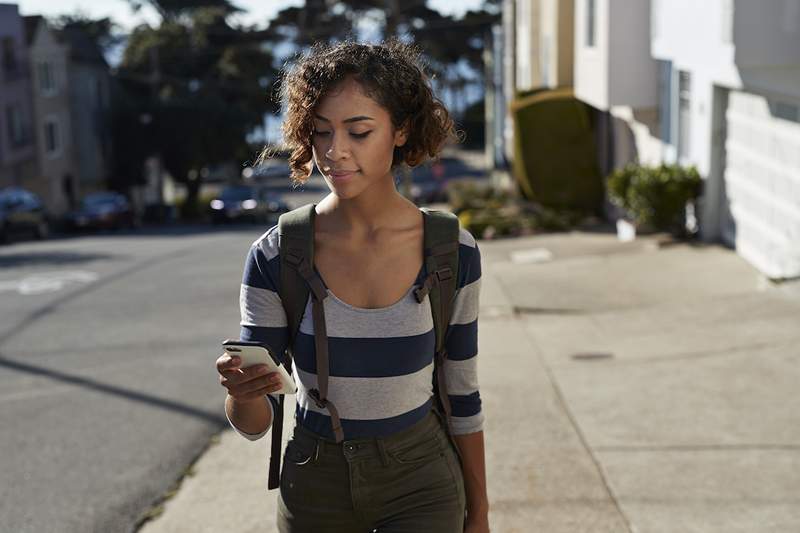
107, 382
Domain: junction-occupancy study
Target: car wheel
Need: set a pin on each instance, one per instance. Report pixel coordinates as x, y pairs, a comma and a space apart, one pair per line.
42, 230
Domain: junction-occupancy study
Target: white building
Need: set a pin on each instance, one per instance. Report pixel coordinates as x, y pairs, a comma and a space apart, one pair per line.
715, 84
537, 50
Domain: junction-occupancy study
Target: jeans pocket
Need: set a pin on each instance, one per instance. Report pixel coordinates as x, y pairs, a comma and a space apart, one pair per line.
417, 453
299, 454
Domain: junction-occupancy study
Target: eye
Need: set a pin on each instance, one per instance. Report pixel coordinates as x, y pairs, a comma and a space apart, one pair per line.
321, 133
361, 135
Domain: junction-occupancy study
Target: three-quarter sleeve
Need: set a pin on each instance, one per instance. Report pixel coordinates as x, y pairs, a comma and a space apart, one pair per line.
461, 366
263, 318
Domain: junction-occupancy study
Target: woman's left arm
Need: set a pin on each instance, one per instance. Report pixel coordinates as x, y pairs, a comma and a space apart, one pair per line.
474, 468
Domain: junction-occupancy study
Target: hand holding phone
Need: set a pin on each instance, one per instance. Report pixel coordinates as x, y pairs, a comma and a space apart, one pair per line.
250, 378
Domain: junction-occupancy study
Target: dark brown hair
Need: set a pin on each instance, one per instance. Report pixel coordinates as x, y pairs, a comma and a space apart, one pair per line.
391, 73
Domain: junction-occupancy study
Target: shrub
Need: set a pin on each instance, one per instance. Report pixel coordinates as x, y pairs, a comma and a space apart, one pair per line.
655, 197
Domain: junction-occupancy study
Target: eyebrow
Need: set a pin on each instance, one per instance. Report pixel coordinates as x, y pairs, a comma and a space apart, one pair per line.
351, 119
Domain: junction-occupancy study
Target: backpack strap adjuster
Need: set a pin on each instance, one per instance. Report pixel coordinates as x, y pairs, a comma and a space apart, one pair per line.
444, 274
314, 394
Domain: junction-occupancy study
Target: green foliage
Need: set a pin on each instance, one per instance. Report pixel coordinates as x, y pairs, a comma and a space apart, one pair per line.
554, 152
489, 213
203, 86
655, 197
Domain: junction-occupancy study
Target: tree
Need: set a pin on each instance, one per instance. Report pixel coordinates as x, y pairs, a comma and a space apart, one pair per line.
201, 86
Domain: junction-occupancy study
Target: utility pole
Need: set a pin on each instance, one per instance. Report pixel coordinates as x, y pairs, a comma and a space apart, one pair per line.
155, 84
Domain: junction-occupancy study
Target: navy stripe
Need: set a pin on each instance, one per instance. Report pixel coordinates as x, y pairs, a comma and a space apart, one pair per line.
462, 341
260, 273
275, 338
368, 358
274, 402
469, 264
358, 429
465, 405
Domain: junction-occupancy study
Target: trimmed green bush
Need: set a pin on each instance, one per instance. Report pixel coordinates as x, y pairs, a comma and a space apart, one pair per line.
655, 197
555, 161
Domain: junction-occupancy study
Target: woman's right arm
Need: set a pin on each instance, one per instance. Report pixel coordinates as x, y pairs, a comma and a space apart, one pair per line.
249, 407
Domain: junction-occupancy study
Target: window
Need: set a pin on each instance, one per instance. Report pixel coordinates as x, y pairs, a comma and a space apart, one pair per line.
665, 101
786, 111
684, 112
9, 55
654, 9
47, 79
17, 133
591, 20
727, 21
52, 137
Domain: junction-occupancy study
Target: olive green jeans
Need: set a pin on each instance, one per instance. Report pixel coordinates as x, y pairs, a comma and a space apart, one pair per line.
408, 482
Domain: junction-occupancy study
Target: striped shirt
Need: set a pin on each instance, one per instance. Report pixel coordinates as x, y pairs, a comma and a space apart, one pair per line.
381, 360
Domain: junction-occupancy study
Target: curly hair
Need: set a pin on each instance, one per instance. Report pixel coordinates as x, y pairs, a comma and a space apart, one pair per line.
391, 73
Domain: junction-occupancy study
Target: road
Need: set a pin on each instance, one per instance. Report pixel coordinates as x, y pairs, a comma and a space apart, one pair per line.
107, 383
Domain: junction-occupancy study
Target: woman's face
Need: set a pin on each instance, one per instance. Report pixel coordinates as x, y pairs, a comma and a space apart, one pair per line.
353, 140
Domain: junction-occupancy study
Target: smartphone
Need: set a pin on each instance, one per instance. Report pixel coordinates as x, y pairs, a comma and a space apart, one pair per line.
256, 353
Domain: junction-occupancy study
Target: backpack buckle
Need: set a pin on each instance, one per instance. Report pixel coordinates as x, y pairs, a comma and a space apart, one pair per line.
314, 393
444, 274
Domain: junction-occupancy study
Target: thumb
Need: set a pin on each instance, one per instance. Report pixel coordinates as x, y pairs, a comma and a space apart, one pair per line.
228, 362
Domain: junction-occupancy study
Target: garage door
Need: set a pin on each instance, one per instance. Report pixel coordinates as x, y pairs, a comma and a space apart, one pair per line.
762, 182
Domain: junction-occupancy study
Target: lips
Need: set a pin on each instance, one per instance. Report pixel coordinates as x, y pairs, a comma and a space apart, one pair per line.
342, 174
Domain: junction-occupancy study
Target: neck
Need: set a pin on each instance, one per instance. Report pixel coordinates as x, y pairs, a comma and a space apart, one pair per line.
374, 209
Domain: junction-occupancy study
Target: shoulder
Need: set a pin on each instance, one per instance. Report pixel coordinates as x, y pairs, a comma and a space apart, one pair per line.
267, 246
465, 238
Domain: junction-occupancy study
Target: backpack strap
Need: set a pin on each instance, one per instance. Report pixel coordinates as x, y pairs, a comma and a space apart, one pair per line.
441, 262
298, 279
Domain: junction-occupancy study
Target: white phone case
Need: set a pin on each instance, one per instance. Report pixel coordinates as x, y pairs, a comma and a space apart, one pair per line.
258, 355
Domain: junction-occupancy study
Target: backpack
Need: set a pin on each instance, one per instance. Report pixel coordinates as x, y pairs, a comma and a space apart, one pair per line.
298, 279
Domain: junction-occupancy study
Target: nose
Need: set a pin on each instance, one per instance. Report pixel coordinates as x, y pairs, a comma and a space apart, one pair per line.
338, 149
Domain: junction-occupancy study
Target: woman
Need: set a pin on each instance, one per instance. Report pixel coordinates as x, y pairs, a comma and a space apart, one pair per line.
359, 111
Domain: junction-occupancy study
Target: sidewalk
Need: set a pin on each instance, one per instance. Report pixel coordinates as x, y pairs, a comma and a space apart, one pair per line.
627, 388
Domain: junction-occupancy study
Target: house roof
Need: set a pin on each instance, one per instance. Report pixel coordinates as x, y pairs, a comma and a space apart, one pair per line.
81, 46
31, 23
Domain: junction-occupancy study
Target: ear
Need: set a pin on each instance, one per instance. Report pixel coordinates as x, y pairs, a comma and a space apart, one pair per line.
401, 134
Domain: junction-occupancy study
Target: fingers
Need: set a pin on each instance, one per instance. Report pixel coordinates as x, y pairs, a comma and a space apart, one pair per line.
247, 383
257, 393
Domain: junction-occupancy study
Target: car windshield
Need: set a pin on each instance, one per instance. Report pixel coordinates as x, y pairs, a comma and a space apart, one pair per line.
236, 194
93, 200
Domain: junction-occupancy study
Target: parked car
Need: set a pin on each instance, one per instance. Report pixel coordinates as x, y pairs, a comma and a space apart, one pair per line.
246, 203
21, 213
102, 210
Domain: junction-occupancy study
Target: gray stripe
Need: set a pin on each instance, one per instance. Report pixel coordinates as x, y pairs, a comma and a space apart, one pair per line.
461, 377
268, 242
465, 309
403, 319
261, 308
463, 425
465, 237
369, 398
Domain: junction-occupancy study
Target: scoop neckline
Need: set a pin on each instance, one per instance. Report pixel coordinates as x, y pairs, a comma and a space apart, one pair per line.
372, 309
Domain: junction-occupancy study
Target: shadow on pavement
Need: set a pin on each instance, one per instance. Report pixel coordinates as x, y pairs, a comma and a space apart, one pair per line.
161, 403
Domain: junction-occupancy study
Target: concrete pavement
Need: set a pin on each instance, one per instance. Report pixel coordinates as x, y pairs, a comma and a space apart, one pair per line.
628, 388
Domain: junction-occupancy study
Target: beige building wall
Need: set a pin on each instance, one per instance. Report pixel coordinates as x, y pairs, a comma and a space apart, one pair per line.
49, 67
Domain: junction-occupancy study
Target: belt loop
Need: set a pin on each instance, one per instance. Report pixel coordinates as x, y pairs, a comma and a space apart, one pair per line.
382, 451
320, 449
